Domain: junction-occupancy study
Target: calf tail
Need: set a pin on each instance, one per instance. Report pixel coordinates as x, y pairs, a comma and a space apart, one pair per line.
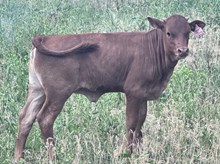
78, 49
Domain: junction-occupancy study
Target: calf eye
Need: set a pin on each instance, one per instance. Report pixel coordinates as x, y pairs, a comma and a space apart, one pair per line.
168, 34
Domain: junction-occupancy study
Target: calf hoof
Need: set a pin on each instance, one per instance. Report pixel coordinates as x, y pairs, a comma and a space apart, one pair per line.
50, 149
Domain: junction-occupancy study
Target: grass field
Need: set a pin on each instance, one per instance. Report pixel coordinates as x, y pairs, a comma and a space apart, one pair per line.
183, 126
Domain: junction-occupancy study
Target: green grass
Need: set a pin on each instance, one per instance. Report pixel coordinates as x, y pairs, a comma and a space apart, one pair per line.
182, 126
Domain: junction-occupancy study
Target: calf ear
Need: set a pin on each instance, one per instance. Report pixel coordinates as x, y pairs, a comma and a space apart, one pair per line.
156, 23
199, 23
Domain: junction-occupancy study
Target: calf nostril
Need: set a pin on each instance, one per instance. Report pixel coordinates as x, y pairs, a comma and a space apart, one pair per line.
183, 50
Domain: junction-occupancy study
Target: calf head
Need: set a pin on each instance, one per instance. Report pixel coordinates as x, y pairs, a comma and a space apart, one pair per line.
176, 30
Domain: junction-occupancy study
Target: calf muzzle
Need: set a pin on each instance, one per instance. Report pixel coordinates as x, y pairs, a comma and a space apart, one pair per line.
183, 52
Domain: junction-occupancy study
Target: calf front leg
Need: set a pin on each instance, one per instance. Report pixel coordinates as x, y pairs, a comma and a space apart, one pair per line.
138, 140
141, 118
133, 105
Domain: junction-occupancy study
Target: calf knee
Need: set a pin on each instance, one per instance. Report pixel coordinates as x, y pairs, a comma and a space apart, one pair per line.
43, 120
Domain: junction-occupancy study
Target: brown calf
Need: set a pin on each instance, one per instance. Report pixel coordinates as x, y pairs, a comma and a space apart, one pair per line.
138, 64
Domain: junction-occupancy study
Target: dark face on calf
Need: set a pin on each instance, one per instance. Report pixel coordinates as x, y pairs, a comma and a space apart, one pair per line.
176, 31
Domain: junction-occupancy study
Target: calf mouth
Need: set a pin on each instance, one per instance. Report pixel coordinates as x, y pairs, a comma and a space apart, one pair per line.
182, 55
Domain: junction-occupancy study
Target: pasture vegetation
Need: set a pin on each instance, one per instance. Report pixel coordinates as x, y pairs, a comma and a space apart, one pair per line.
183, 126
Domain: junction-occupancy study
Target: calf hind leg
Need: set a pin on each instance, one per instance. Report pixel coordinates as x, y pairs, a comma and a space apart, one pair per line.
46, 117
27, 116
